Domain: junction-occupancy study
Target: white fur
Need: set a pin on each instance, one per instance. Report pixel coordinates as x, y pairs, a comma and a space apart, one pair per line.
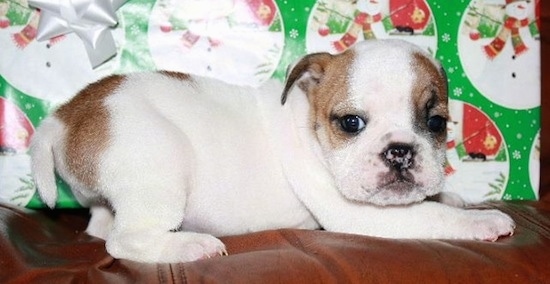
215, 159
42, 158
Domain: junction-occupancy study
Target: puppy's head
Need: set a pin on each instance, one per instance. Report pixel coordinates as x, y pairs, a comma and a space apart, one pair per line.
379, 113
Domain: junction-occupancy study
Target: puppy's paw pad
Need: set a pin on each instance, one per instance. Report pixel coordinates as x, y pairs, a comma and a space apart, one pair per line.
489, 225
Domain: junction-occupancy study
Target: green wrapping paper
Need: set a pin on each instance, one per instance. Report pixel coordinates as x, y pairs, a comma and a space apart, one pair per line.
490, 50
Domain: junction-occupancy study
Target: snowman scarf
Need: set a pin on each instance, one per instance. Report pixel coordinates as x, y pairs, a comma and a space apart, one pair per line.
362, 22
511, 27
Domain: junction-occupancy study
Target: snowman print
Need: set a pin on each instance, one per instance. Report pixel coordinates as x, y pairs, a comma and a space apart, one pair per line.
335, 25
238, 41
52, 70
499, 49
477, 166
368, 21
16, 130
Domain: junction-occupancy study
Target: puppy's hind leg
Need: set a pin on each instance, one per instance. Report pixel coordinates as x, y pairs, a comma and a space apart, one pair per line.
148, 196
145, 232
101, 222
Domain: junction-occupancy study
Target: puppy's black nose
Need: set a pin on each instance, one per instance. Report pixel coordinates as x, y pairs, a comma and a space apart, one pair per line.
399, 156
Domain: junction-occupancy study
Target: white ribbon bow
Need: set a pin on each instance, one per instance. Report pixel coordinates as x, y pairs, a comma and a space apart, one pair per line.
91, 20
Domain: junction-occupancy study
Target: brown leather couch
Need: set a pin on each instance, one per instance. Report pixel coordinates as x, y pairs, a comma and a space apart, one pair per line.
51, 247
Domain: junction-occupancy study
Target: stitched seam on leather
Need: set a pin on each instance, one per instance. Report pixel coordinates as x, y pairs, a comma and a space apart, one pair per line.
160, 275
182, 273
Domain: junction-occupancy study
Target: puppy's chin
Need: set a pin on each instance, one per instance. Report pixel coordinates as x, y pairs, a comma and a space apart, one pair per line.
394, 192
389, 196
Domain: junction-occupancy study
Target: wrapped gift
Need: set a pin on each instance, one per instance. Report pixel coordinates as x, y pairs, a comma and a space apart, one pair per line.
490, 50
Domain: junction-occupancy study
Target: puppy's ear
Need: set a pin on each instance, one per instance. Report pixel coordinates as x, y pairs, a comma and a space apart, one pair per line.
308, 72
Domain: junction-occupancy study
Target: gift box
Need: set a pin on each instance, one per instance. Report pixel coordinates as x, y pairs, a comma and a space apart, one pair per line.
490, 50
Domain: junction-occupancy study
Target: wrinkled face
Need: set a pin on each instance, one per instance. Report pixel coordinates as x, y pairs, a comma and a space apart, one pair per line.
379, 112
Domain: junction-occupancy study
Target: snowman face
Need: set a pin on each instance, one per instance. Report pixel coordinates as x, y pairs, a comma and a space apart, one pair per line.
370, 7
54, 78
518, 10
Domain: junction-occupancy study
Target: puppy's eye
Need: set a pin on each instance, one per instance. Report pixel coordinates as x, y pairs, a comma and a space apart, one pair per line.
437, 123
352, 123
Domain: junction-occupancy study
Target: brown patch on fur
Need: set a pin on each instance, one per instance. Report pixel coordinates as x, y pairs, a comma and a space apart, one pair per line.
312, 64
86, 121
176, 75
331, 90
324, 78
429, 94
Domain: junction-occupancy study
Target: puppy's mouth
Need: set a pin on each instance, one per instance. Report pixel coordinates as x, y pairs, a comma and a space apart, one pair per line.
394, 187
397, 181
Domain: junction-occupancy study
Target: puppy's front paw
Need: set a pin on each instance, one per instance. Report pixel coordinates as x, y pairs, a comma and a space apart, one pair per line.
184, 247
165, 247
487, 225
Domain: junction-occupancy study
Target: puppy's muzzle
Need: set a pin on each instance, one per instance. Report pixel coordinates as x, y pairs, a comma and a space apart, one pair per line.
399, 156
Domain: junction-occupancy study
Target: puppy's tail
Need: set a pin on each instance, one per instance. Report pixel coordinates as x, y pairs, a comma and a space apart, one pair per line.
42, 159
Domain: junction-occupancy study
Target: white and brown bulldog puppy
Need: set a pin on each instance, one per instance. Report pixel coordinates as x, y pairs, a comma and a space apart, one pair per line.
168, 160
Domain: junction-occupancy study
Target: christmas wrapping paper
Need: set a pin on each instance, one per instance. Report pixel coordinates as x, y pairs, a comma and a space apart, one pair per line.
489, 48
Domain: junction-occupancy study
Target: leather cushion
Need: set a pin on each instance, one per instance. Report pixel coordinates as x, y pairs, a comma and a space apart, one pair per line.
50, 246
